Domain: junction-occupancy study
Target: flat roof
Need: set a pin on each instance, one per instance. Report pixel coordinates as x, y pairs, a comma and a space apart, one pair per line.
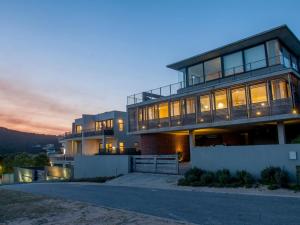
283, 33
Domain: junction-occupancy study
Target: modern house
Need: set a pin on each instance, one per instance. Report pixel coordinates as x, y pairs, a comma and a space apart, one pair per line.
236, 106
101, 134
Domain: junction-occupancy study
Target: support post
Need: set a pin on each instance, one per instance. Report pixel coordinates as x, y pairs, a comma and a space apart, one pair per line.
281, 133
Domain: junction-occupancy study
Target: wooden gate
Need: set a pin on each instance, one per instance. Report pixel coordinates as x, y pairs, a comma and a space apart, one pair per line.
167, 164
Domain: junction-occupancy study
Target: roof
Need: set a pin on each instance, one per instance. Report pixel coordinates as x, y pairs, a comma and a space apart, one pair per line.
283, 33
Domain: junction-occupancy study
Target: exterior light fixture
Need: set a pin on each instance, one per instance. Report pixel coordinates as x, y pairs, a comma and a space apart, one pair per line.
120, 121
159, 125
263, 104
294, 111
143, 127
206, 107
227, 117
178, 122
258, 113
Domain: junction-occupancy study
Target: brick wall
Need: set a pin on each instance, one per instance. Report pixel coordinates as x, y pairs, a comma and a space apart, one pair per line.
152, 144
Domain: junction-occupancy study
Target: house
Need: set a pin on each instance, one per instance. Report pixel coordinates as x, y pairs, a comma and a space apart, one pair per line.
98, 145
235, 107
104, 133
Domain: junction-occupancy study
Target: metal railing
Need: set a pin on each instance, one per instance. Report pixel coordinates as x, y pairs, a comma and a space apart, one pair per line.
87, 133
61, 157
255, 110
118, 151
226, 76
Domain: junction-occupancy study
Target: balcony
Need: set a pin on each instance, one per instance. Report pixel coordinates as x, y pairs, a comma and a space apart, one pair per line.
88, 133
239, 114
251, 71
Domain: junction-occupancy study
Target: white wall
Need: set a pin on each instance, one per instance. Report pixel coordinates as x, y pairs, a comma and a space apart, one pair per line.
251, 158
101, 166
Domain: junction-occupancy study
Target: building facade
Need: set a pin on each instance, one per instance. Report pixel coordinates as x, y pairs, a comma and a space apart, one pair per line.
104, 133
243, 94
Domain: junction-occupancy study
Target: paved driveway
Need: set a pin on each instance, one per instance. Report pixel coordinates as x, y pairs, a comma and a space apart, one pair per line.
197, 207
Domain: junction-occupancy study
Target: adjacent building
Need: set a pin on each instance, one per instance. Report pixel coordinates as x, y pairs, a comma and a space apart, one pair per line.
235, 107
104, 133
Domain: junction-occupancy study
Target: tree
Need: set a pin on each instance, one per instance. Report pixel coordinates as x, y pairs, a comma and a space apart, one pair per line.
23, 160
41, 160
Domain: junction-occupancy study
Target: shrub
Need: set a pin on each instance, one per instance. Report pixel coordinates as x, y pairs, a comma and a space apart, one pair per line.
223, 177
207, 178
272, 187
182, 182
197, 173
274, 176
244, 178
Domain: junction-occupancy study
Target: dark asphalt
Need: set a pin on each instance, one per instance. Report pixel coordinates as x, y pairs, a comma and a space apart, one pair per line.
196, 207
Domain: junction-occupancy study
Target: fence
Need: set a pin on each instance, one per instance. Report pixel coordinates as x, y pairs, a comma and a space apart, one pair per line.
167, 164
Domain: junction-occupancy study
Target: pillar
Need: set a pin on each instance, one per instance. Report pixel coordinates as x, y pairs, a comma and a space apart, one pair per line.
281, 133
191, 139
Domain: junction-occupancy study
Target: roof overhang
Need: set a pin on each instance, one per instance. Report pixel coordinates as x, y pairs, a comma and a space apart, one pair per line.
283, 33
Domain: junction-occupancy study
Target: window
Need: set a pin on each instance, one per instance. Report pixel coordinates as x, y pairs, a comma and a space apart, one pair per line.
221, 99
279, 89
204, 103
286, 58
274, 55
212, 69
258, 93
108, 146
109, 123
182, 77
121, 147
255, 58
175, 108
163, 110
190, 105
238, 97
121, 124
233, 63
294, 62
195, 74
78, 129
151, 112
98, 125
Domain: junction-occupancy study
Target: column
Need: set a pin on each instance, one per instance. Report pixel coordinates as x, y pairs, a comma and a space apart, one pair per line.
281, 133
191, 139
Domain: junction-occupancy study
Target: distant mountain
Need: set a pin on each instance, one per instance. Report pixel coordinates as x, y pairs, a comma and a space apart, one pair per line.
12, 141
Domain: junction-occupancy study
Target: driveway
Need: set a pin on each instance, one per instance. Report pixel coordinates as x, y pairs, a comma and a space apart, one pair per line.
196, 207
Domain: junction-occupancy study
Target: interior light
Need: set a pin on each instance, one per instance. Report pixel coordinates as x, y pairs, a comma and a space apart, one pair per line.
201, 120
294, 111
143, 127
227, 117
220, 105
206, 107
178, 122
120, 121
258, 113
263, 104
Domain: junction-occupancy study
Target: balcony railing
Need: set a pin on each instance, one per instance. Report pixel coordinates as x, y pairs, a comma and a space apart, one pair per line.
88, 133
118, 151
255, 110
61, 158
228, 76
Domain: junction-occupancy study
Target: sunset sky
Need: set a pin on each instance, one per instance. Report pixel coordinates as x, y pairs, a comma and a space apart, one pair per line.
61, 59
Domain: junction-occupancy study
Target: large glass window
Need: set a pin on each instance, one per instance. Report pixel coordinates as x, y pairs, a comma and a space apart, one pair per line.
238, 96
195, 74
121, 124
78, 129
255, 57
151, 112
175, 108
190, 105
279, 89
274, 55
212, 69
286, 58
294, 62
204, 103
258, 93
163, 110
109, 123
221, 99
233, 63
182, 77
98, 125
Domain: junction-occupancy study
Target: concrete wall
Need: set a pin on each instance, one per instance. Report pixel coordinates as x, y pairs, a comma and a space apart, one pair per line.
253, 158
58, 173
101, 166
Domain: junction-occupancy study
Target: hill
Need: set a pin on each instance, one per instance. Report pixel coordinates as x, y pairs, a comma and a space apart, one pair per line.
12, 141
